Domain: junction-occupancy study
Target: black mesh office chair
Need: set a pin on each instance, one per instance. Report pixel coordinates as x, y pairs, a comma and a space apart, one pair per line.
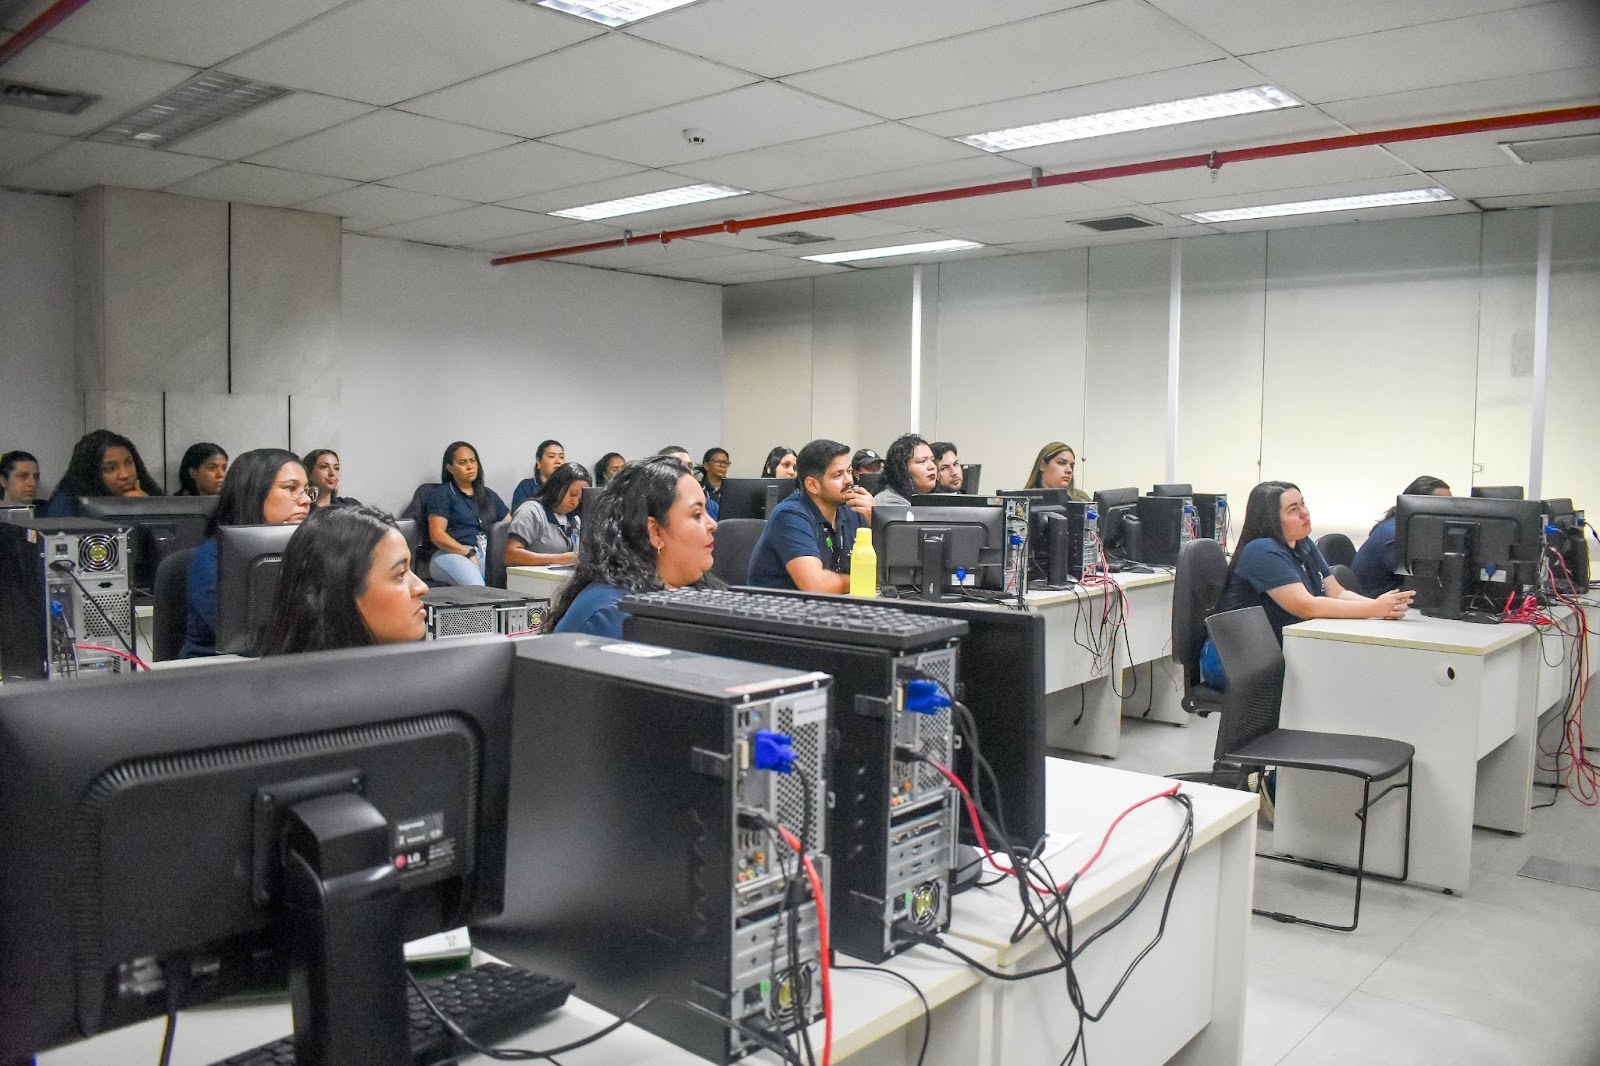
422, 546
1248, 736
1346, 577
1196, 585
1337, 548
735, 542
172, 605
495, 566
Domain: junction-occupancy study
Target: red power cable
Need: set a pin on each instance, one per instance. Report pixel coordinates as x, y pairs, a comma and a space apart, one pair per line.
822, 935
134, 659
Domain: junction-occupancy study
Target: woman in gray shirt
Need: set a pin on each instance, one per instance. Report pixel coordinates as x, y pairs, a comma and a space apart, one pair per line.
544, 529
908, 470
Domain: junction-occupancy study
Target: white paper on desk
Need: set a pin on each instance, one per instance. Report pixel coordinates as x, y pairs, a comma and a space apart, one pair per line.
1054, 844
450, 944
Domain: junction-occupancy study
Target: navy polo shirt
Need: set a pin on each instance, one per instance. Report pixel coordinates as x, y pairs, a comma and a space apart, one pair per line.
1265, 564
460, 511
797, 530
526, 489
1374, 565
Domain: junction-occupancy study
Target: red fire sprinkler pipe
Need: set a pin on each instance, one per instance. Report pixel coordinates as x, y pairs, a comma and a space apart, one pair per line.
1211, 160
43, 23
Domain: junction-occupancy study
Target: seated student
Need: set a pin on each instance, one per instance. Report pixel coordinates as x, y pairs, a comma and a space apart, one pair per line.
650, 530
908, 470
545, 530
19, 476
322, 467
201, 470
809, 534
680, 453
610, 464
545, 460
780, 463
103, 463
346, 582
1375, 561
266, 486
713, 471
947, 464
865, 461
459, 513
1053, 468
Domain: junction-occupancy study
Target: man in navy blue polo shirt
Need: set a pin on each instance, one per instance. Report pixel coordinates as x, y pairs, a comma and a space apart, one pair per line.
808, 538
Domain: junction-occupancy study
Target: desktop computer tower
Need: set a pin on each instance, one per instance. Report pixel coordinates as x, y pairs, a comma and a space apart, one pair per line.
1077, 530
1211, 516
44, 614
1166, 524
629, 868
893, 823
470, 610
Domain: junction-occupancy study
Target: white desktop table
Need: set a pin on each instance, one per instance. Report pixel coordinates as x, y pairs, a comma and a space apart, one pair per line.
544, 582
1464, 695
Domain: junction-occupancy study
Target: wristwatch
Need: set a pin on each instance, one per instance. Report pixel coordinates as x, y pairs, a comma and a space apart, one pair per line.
471, 552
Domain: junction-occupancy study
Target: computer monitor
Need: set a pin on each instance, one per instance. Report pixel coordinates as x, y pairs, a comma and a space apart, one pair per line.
157, 526
1561, 513
752, 497
1498, 492
1175, 489
971, 475
873, 483
587, 497
930, 547
1456, 548
248, 561
174, 837
1118, 522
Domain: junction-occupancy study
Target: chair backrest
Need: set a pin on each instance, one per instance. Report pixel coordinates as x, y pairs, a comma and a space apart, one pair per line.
1337, 548
172, 604
422, 550
495, 566
1202, 568
1346, 577
735, 543
1253, 661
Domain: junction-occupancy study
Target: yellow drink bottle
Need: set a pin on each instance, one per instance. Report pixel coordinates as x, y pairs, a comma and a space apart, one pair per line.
863, 565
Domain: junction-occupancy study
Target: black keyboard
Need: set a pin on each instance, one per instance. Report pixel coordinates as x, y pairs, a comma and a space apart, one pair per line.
492, 1003
838, 621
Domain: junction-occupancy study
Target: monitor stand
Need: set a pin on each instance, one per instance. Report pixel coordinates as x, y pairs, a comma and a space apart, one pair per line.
933, 548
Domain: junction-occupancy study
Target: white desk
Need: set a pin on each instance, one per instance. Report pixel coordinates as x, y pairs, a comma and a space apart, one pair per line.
144, 626
1464, 695
544, 582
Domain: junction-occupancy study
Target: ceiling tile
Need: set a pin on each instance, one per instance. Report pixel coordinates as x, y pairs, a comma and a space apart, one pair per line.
596, 192
1245, 26
380, 145
752, 117
1060, 227
516, 170
83, 164
838, 228
559, 237
1580, 196
384, 51
251, 184
1548, 37
1319, 191
1527, 178
370, 207
122, 83
644, 256
712, 211
1220, 134
1522, 92
477, 223
1089, 239
1112, 39
868, 150
200, 33
778, 37
1261, 175
19, 146
1481, 150
270, 125
977, 171
1060, 200
579, 86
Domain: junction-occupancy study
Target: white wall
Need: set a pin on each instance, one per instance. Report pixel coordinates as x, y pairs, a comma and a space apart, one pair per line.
440, 346
41, 407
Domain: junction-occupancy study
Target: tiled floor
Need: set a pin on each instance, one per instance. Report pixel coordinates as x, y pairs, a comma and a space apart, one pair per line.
1504, 975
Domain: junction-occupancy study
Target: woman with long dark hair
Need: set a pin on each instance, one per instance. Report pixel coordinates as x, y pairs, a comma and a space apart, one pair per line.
264, 487
908, 470
549, 455
322, 467
545, 530
609, 466
649, 530
1375, 562
780, 463
202, 469
346, 582
1055, 467
103, 463
459, 515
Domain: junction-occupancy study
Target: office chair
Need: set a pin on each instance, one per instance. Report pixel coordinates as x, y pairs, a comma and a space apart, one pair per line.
422, 547
1346, 577
494, 574
735, 543
171, 605
1248, 736
1337, 549
1196, 586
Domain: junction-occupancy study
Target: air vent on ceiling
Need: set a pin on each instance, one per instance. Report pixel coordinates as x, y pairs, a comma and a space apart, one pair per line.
796, 236
191, 107
1555, 149
16, 94
1114, 223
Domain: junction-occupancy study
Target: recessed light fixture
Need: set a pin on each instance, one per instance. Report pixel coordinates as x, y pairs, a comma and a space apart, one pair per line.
893, 250
796, 236
650, 201
1128, 119
1554, 149
613, 12
1313, 207
191, 107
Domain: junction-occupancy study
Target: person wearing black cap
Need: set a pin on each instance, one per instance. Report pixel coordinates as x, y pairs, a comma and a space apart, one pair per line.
865, 461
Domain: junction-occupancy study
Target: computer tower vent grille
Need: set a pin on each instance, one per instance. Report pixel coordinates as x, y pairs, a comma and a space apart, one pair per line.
791, 794
114, 624
935, 742
98, 554
462, 621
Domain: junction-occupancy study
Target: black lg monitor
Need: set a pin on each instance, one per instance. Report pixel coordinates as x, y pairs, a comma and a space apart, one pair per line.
933, 549
175, 837
1174, 489
1462, 551
157, 525
248, 561
971, 475
1118, 523
752, 497
1498, 492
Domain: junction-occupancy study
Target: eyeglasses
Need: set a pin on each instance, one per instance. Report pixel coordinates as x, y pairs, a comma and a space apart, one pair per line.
719, 462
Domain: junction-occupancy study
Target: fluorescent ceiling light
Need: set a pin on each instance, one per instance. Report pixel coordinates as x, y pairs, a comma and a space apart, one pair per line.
191, 107
613, 12
898, 249
1150, 116
650, 201
1313, 207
